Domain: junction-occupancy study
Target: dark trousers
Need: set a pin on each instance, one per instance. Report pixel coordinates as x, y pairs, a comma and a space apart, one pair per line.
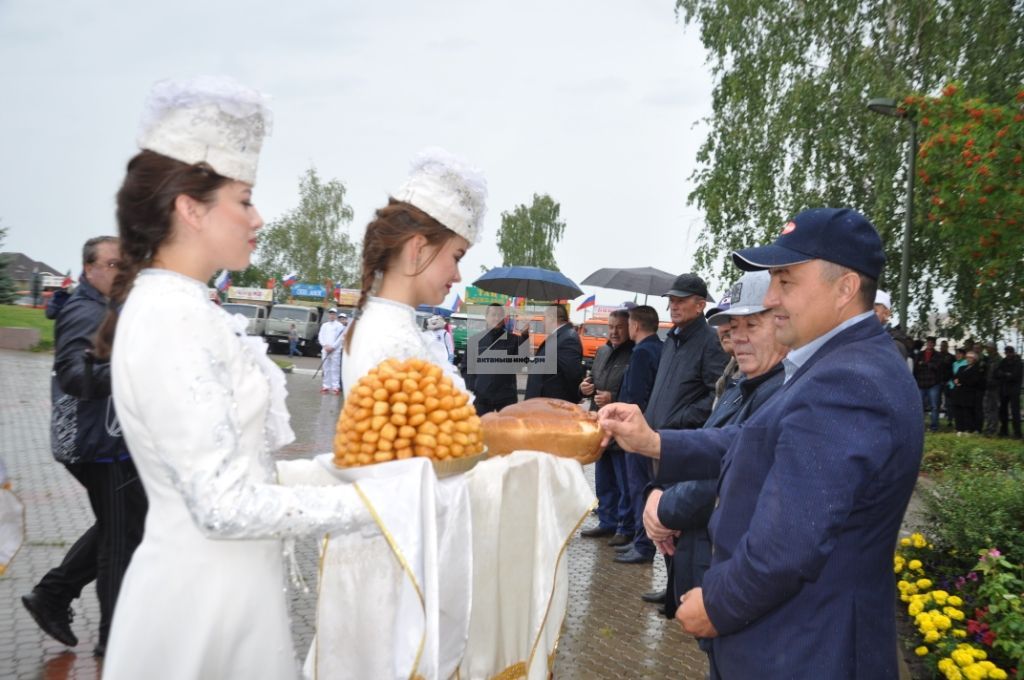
614, 508
486, 405
930, 397
639, 473
103, 552
967, 419
1009, 408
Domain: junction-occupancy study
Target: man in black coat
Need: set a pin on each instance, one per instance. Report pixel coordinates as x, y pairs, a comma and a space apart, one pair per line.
1009, 374
86, 439
489, 375
558, 367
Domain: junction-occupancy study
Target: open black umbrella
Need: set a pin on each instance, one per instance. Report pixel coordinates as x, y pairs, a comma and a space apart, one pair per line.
646, 280
533, 283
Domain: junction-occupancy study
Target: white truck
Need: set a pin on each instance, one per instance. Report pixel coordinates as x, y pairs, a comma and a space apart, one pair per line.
256, 314
307, 320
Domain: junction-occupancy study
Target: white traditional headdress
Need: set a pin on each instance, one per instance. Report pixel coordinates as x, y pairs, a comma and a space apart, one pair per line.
209, 119
449, 190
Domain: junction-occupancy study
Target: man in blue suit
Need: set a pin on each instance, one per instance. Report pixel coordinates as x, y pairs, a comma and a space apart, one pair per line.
813, 487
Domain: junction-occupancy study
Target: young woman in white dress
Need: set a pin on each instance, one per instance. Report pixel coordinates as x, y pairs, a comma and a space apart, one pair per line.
202, 406
411, 254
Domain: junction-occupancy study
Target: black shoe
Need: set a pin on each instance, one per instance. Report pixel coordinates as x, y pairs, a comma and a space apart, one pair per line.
633, 557
620, 539
654, 597
54, 621
624, 548
597, 532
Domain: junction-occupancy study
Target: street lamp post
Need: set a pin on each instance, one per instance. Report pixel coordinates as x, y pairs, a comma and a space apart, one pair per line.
889, 107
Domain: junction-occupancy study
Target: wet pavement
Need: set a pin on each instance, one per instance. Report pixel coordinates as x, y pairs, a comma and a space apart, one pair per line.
609, 632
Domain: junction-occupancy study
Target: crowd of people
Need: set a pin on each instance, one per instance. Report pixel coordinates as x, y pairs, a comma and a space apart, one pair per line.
767, 448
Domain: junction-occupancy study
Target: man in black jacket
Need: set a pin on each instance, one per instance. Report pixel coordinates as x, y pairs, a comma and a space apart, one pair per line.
558, 368
494, 382
692, 361
86, 439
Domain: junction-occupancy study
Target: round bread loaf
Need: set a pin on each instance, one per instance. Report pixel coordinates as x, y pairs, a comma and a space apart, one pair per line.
542, 424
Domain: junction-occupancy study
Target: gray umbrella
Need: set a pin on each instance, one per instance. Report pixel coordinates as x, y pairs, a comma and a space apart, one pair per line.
646, 280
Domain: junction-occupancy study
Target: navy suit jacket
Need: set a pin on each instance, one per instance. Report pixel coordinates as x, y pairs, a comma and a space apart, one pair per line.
812, 491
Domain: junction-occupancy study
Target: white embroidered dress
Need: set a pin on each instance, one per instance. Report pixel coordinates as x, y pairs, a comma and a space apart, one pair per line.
202, 408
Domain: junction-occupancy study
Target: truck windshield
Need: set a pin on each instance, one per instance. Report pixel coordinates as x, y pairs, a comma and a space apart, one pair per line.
595, 330
289, 314
248, 311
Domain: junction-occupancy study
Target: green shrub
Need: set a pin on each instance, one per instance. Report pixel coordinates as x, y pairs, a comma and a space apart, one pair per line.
973, 508
948, 452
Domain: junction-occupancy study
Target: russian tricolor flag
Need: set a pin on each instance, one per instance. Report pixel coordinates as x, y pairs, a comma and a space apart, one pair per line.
291, 278
589, 302
457, 305
223, 282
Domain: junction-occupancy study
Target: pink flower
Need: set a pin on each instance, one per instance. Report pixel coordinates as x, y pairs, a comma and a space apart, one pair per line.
994, 553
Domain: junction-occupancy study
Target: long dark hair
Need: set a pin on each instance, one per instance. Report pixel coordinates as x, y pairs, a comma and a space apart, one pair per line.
392, 226
145, 205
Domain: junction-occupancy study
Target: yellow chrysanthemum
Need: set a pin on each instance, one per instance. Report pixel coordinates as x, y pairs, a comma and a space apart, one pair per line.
905, 542
914, 564
932, 636
925, 624
997, 674
940, 596
979, 653
917, 540
915, 608
921, 651
959, 632
963, 657
924, 583
975, 672
953, 673
945, 663
954, 601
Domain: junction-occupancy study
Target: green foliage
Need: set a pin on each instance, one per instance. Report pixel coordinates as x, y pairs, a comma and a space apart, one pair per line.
7, 289
970, 164
948, 451
312, 238
790, 130
968, 509
528, 235
1002, 586
254, 276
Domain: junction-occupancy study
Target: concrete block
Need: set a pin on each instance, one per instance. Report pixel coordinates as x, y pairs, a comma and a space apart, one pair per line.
19, 338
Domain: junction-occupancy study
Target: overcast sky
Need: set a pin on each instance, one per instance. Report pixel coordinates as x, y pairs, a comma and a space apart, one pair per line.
596, 103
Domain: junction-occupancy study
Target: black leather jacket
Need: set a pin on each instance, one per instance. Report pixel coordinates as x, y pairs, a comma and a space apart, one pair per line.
83, 426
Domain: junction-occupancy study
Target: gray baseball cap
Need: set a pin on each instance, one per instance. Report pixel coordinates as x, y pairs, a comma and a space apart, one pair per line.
746, 297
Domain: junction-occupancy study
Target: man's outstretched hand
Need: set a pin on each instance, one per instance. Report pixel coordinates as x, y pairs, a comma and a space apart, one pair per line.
626, 423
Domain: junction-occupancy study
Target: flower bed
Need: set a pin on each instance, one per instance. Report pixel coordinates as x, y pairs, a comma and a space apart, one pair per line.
969, 625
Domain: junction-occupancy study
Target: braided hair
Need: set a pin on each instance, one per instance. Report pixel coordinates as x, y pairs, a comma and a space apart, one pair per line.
392, 226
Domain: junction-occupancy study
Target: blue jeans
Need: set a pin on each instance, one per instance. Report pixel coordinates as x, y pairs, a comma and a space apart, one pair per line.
614, 509
930, 397
293, 348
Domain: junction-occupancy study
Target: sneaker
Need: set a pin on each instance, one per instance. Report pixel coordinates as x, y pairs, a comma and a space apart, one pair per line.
54, 621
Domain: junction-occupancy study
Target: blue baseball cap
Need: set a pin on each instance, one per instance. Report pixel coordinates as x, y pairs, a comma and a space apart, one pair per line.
839, 235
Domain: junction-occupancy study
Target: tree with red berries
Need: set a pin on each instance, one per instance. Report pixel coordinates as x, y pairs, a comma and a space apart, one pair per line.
970, 165
790, 130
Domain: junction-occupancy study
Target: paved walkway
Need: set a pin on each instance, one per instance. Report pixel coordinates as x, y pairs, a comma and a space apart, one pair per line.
608, 632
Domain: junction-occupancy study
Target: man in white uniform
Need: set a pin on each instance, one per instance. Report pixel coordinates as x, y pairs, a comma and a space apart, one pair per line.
330, 342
